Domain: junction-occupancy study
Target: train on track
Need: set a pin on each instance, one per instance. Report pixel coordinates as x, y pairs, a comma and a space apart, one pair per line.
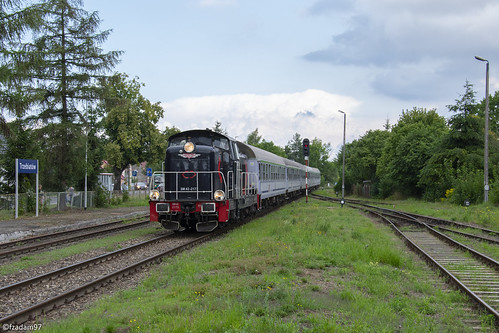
211, 179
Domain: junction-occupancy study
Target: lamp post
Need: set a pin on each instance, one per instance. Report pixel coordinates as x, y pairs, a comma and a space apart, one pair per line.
343, 172
486, 150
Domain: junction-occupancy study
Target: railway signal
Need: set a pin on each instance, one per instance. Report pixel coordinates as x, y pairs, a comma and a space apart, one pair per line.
306, 148
306, 153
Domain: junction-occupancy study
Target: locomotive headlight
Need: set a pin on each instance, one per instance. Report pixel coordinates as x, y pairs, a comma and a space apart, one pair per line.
154, 195
189, 147
219, 195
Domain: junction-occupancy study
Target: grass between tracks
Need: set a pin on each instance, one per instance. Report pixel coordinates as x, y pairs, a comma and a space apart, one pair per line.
486, 215
307, 267
110, 243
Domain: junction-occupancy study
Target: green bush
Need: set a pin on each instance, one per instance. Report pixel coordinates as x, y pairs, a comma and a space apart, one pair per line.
468, 186
115, 200
30, 201
126, 196
494, 192
101, 197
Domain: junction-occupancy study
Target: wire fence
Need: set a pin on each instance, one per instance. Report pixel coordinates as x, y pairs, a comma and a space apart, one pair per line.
56, 201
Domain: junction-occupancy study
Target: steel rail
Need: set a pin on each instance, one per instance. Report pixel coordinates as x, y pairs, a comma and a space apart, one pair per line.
480, 238
446, 272
35, 247
431, 221
454, 223
38, 238
76, 267
46, 306
444, 238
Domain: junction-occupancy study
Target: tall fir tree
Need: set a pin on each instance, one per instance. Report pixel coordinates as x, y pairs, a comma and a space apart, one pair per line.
466, 127
294, 148
15, 21
65, 62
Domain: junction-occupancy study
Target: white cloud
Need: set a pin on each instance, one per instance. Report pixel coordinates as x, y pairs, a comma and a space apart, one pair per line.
311, 113
413, 40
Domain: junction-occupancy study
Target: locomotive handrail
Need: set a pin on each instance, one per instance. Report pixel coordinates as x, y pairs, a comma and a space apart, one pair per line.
179, 174
248, 183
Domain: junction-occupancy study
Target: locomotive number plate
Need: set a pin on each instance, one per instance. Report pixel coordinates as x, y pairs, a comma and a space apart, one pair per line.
187, 188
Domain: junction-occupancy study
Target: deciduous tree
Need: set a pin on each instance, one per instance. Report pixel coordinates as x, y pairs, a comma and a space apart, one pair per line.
410, 145
130, 125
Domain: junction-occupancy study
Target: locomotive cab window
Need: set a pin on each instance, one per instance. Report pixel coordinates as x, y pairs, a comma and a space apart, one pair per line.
221, 143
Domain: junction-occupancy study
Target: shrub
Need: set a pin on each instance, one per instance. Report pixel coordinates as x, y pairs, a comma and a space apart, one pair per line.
468, 186
30, 201
494, 192
101, 197
126, 196
115, 200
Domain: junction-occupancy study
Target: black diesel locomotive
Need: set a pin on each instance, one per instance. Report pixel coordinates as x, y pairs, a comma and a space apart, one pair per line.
210, 178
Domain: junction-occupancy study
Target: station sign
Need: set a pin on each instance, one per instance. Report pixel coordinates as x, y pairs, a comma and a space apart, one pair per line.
27, 166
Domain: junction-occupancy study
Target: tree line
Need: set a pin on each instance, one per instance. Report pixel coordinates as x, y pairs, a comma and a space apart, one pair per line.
426, 156
69, 112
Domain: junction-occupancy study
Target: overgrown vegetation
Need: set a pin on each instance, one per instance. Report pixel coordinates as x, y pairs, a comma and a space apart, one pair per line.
424, 155
305, 268
480, 214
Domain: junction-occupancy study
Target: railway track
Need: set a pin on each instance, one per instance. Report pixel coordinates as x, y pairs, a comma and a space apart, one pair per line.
474, 273
27, 300
34, 307
32, 244
463, 229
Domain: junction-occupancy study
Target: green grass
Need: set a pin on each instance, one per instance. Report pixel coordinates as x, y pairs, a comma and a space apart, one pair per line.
486, 215
134, 202
306, 268
111, 243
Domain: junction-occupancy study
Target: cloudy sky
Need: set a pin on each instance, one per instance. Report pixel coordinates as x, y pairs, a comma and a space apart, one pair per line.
288, 66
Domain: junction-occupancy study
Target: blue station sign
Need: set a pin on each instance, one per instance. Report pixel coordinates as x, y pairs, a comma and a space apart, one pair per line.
27, 166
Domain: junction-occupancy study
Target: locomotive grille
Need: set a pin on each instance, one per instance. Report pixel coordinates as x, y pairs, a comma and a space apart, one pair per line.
208, 208
163, 207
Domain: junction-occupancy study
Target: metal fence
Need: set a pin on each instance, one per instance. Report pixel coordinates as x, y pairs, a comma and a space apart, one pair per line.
56, 201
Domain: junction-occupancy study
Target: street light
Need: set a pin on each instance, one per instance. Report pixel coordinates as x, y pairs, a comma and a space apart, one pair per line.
486, 150
343, 172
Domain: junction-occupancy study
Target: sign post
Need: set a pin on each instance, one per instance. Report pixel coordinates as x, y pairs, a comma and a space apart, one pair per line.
26, 166
149, 175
